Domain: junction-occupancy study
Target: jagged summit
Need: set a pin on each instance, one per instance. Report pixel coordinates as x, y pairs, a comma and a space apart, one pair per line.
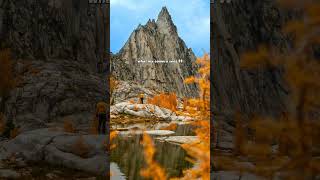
151, 24
164, 13
165, 23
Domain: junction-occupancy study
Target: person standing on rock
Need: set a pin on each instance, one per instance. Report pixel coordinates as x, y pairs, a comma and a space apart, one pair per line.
101, 114
141, 96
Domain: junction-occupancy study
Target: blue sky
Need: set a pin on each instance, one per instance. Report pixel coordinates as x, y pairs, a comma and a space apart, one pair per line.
192, 18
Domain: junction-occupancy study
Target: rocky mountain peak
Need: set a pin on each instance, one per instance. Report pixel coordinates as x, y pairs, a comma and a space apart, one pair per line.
156, 41
164, 13
165, 23
151, 24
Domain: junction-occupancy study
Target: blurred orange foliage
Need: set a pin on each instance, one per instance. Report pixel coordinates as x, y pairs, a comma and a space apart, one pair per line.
153, 169
113, 135
287, 145
198, 151
199, 108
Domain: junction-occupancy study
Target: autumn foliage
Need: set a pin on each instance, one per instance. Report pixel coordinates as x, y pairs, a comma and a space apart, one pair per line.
287, 144
153, 169
165, 100
113, 135
111, 145
199, 151
199, 108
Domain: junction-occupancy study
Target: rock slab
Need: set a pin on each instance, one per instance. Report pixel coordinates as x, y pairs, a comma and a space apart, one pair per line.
59, 148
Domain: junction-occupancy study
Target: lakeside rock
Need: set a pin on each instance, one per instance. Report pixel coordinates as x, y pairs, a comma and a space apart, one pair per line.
179, 139
149, 132
9, 174
146, 110
86, 152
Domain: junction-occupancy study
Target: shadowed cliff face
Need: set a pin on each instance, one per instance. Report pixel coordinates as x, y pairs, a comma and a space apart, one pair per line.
157, 40
42, 29
243, 26
55, 45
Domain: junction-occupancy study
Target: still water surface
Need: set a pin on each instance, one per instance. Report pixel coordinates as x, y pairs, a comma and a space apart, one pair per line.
128, 159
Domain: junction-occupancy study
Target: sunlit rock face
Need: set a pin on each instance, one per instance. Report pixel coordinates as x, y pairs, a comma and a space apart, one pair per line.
154, 42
